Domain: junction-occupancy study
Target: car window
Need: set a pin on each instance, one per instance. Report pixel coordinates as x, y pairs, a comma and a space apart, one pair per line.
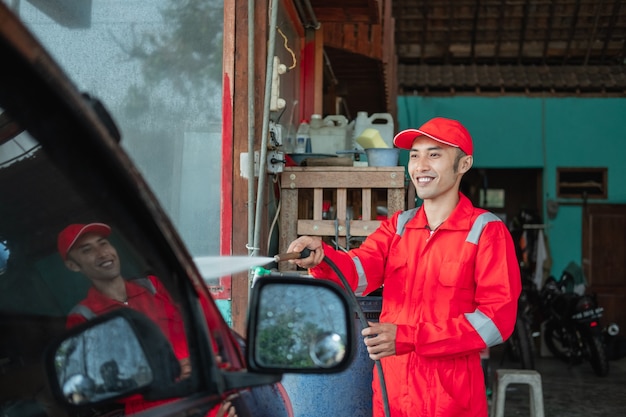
45, 291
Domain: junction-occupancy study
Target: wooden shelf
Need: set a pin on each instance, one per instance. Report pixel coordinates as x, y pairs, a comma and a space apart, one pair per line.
355, 192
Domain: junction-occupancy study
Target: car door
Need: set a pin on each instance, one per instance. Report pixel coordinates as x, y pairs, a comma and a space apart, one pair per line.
61, 164
102, 309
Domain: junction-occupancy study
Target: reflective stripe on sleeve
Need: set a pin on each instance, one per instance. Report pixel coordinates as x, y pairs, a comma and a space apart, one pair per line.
479, 224
82, 310
362, 284
485, 327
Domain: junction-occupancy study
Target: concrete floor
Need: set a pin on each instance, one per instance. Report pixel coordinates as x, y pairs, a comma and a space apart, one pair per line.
568, 392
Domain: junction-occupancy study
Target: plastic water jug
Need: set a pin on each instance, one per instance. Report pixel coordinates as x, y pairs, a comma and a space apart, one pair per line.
316, 121
303, 136
383, 122
331, 135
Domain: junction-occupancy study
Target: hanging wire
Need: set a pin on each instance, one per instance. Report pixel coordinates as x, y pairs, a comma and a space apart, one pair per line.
286, 45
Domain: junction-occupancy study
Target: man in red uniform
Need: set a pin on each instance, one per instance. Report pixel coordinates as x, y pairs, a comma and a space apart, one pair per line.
85, 248
450, 281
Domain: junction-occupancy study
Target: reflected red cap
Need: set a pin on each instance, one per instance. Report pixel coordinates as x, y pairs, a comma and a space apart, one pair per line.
446, 131
71, 233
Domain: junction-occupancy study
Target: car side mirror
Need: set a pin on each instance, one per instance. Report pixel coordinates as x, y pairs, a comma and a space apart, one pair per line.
299, 325
109, 357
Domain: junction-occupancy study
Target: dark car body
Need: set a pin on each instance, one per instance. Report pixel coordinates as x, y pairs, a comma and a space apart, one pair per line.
61, 162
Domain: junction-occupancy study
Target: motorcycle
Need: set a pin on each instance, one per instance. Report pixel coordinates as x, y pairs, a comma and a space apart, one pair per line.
520, 346
572, 330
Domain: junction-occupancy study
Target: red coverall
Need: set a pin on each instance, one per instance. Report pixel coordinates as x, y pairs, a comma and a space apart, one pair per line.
451, 293
157, 305
155, 302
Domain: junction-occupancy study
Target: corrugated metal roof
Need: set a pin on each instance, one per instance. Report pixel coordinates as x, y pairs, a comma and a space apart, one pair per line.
560, 47
555, 46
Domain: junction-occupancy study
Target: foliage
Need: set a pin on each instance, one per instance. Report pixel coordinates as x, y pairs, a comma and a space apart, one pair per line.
182, 57
287, 339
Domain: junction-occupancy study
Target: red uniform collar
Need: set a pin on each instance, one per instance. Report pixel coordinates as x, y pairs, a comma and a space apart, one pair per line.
97, 301
459, 219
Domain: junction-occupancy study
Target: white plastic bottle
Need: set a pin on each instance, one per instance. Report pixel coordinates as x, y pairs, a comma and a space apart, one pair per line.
360, 123
316, 121
303, 137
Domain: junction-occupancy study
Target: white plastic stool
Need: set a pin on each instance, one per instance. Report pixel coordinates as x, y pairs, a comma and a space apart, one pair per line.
504, 377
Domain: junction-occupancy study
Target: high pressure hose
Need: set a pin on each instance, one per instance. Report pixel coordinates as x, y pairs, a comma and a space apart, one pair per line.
364, 324
357, 307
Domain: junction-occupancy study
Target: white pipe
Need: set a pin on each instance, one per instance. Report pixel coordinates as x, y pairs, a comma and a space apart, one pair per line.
265, 129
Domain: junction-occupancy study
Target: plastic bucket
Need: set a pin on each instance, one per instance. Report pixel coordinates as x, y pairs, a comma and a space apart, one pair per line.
382, 157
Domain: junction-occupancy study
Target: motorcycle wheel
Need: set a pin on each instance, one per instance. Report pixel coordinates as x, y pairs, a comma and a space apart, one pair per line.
521, 344
559, 344
597, 354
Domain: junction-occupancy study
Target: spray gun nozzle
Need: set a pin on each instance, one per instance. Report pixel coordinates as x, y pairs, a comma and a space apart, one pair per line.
281, 257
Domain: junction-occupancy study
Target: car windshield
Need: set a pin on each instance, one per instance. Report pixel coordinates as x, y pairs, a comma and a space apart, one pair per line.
39, 290
38, 202
156, 64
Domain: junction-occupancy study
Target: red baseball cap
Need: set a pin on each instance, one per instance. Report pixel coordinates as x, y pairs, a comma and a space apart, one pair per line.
447, 131
71, 233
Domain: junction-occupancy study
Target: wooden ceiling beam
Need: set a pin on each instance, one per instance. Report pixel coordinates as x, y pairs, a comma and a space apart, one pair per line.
474, 30
347, 11
548, 32
448, 34
594, 30
572, 31
610, 30
522, 31
424, 37
496, 54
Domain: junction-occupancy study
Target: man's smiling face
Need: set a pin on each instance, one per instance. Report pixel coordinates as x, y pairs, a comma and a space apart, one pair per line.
94, 256
435, 168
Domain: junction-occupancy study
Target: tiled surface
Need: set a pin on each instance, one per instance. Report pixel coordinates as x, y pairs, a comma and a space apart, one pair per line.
568, 392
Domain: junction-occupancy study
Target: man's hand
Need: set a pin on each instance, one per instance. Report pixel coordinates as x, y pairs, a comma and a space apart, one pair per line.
380, 339
226, 409
314, 244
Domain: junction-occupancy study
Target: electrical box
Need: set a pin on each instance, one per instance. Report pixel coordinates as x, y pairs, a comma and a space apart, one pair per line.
275, 162
276, 135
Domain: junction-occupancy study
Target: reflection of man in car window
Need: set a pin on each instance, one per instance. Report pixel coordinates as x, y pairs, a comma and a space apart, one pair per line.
85, 248
110, 373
